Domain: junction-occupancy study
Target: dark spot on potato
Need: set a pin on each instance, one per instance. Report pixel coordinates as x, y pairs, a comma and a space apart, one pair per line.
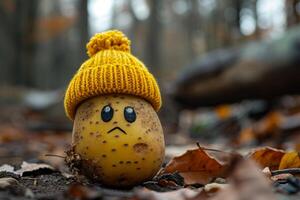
87, 147
138, 168
116, 110
127, 124
136, 162
86, 110
125, 145
97, 122
113, 165
116, 136
91, 133
117, 102
115, 122
113, 150
103, 156
139, 138
121, 162
128, 162
91, 122
104, 141
140, 147
122, 180
143, 159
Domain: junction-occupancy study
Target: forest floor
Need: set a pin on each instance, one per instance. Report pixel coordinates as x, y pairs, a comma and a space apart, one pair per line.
255, 156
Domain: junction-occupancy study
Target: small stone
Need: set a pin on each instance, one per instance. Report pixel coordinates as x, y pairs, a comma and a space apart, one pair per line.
8, 182
220, 180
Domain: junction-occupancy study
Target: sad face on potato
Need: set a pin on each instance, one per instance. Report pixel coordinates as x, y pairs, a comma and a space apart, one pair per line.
120, 137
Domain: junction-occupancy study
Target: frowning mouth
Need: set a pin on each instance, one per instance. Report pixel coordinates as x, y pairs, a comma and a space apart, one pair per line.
115, 129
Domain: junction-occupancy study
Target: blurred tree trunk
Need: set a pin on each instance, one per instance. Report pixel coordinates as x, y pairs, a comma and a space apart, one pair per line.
153, 43
26, 13
292, 14
83, 28
192, 24
135, 25
7, 50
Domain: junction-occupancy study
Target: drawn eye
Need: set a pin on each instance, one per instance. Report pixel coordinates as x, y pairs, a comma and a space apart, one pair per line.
107, 113
129, 114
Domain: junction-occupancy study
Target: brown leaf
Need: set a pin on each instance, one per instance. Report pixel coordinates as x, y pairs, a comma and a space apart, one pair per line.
196, 166
246, 136
267, 157
223, 111
290, 160
247, 182
265, 128
77, 191
181, 194
269, 124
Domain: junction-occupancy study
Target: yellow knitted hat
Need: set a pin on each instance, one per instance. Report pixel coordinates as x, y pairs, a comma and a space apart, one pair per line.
111, 69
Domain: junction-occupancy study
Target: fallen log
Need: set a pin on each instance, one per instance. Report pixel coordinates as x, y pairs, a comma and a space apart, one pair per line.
258, 70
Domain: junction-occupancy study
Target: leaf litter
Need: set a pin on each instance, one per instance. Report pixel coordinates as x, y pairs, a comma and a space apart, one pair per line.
235, 170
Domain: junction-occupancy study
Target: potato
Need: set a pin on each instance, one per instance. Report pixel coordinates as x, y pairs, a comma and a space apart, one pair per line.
119, 140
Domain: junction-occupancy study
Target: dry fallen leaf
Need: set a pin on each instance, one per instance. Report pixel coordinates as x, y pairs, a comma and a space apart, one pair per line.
268, 125
223, 111
196, 166
181, 194
267, 157
247, 182
77, 191
290, 160
27, 168
7, 168
246, 136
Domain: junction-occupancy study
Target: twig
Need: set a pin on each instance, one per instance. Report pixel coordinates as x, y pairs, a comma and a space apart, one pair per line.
286, 171
29, 178
216, 150
53, 155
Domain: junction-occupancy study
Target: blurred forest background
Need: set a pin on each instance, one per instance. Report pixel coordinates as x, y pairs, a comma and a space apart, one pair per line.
43, 42
228, 70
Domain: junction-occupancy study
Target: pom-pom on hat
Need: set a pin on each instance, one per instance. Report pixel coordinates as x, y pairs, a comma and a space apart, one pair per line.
111, 69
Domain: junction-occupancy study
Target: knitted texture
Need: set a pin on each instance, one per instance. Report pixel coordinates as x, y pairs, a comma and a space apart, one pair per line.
111, 69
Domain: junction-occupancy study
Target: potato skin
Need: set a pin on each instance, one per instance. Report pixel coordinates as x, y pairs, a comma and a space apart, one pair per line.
113, 157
